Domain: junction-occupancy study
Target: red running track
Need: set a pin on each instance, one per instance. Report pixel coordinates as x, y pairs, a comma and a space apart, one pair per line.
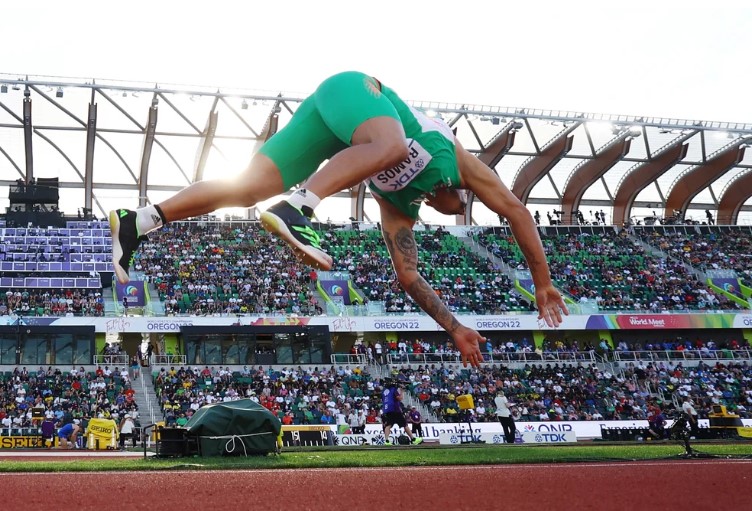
662, 485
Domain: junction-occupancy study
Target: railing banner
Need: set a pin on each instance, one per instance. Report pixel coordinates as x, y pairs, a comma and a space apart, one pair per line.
731, 286
134, 293
405, 323
337, 290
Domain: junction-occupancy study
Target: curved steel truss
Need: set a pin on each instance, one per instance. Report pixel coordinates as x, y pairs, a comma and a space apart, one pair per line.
112, 141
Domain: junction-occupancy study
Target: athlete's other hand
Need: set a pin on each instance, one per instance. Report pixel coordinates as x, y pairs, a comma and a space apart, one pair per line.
551, 305
467, 341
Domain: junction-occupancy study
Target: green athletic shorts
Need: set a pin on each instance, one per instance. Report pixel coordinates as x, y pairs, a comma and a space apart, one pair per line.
324, 123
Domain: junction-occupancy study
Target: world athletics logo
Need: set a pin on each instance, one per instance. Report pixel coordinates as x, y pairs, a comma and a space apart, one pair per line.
729, 288
336, 290
131, 290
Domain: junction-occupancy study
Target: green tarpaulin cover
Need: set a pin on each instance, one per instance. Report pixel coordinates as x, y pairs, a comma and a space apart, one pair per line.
241, 427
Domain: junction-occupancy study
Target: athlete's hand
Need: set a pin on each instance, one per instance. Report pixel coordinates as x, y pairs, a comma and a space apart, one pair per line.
551, 305
467, 341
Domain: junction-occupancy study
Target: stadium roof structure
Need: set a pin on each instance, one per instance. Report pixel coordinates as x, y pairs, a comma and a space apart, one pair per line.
113, 142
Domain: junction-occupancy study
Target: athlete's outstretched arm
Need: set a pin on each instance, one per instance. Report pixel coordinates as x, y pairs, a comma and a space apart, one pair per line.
487, 186
398, 235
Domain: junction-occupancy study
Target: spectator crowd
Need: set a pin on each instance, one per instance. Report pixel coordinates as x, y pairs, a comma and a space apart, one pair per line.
52, 302
558, 392
568, 390
73, 396
341, 395
224, 269
707, 250
234, 268
615, 271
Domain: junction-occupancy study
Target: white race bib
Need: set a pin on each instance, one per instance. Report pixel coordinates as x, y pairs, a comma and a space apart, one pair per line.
399, 176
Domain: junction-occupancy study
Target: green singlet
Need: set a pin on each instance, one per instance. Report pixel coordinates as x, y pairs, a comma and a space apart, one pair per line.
431, 161
324, 123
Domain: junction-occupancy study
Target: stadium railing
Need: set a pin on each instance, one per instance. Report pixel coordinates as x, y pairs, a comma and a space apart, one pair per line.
167, 360
368, 310
347, 358
111, 360
694, 355
493, 358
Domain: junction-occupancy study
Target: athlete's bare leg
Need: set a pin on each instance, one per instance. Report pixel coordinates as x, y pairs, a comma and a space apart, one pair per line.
258, 182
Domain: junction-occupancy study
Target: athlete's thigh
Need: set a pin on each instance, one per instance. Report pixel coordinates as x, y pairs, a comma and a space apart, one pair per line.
347, 100
302, 145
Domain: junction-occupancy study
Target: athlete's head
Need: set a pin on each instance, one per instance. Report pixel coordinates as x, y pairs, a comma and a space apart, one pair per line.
448, 201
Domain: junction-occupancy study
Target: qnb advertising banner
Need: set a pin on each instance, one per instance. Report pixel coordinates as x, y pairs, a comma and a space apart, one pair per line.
731, 286
337, 290
546, 432
134, 293
487, 432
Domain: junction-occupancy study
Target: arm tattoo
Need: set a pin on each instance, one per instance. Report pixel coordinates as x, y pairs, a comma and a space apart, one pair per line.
426, 297
404, 248
405, 243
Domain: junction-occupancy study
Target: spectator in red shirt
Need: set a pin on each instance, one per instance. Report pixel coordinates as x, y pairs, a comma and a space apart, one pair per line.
372, 418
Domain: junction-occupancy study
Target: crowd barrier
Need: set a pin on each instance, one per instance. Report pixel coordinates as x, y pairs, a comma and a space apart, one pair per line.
693, 355
451, 433
446, 433
111, 360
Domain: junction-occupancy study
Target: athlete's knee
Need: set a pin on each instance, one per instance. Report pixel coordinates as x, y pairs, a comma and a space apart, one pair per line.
260, 181
240, 193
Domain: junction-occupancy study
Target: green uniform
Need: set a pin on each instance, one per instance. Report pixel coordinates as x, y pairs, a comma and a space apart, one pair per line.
324, 124
431, 162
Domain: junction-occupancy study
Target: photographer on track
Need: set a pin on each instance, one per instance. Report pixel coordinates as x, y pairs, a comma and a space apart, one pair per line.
688, 407
392, 412
505, 417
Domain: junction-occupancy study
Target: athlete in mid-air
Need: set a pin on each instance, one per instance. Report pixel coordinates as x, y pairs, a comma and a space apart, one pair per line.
366, 132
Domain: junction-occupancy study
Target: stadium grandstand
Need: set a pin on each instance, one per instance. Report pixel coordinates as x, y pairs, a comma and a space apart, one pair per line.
645, 221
